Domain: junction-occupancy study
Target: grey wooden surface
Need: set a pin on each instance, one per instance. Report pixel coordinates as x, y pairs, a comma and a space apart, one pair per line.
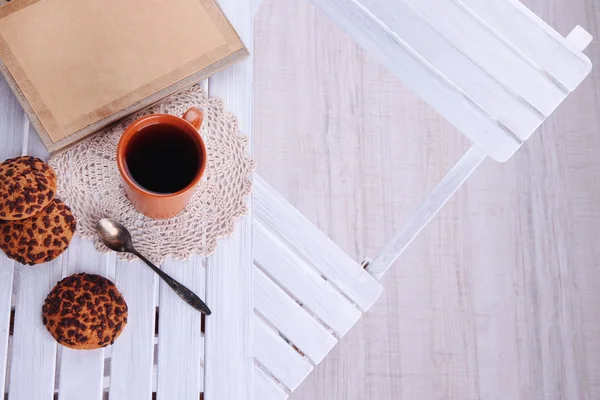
500, 296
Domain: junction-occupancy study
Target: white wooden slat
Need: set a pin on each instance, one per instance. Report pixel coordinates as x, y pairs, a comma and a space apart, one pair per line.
33, 358
303, 282
34, 350
35, 147
290, 319
108, 353
279, 217
133, 352
180, 345
540, 42
500, 102
486, 49
82, 372
415, 72
11, 143
229, 364
266, 388
6, 283
278, 357
580, 38
427, 210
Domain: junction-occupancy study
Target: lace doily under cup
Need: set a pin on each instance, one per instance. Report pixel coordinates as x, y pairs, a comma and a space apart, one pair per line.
89, 181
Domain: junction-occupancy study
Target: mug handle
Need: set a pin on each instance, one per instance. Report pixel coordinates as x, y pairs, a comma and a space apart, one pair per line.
194, 116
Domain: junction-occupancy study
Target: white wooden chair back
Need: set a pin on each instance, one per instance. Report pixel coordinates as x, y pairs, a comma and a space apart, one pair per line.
493, 69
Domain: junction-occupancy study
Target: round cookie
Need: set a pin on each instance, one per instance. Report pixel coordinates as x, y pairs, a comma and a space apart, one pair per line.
40, 238
27, 185
85, 312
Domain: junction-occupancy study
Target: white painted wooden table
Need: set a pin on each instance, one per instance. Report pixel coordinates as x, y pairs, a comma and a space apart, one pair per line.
282, 293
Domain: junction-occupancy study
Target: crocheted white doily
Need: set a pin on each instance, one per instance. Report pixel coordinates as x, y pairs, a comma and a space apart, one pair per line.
90, 183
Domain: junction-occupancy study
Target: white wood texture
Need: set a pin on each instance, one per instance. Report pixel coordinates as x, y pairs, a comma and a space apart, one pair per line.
535, 38
298, 233
6, 283
473, 65
256, 6
580, 38
289, 318
489, 52
497, 298
132, 355
11, 143
266, 388
33, 357
181, 344
433, 203
83, 371
302, 281
33, 360
418, 74
278, 357
228, 360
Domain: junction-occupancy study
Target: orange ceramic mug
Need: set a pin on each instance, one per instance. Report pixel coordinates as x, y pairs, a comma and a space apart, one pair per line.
161, 159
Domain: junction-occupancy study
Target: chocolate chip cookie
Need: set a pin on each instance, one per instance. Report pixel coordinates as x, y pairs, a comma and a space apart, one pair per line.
27, 185
85, 312
40, 238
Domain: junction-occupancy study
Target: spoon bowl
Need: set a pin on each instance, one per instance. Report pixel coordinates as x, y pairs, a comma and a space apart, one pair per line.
114, 235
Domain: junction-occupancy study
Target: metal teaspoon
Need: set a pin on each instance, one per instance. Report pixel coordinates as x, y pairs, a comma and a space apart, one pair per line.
116, 237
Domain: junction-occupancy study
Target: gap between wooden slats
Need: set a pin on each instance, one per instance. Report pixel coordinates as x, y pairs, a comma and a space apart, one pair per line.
424, 79
299, 279
298, 233
180, 344
13, 126
536, 39
289, 318
132, 356
278, 357
471, 36
502, 103
34, 350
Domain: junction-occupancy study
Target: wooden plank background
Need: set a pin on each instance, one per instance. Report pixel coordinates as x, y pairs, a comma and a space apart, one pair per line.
498, 298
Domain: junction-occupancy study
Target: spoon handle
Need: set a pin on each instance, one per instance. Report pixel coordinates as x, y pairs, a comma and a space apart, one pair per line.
186, 294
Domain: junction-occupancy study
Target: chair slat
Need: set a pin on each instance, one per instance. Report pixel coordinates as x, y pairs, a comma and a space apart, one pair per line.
82, 372
229, 335
33, 356
180, 348
465, 70
486, 48
278, 357
299, 234
6, 283
33, 361
303, 282
11, 144
133, 353
265, 388
419, 75
290, 319
536, 39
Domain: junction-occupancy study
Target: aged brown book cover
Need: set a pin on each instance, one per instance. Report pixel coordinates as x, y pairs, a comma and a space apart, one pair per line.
79, 65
